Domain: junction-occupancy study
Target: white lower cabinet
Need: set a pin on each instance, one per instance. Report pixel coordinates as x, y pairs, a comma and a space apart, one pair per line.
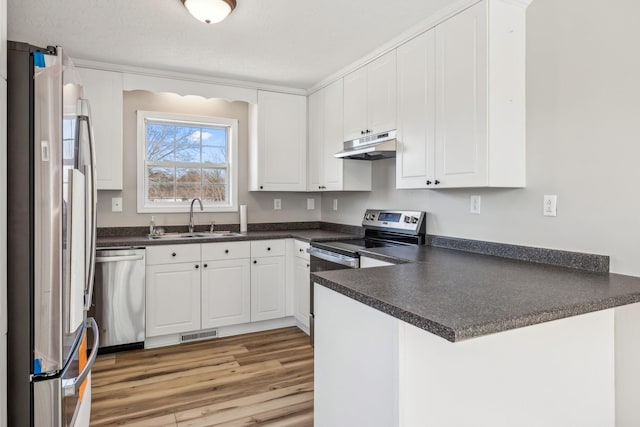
172, 299
226, 292
268, 299
301, 284
205, 286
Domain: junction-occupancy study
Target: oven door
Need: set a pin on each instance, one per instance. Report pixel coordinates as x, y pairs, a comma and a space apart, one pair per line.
323, 260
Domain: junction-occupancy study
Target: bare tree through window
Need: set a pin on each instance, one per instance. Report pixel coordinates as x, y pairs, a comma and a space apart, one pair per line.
186, 160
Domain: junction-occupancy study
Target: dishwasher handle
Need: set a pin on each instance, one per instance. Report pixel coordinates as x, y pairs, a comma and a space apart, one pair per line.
119, 258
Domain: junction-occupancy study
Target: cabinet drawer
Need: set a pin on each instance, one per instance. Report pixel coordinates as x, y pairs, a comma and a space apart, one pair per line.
300, 249
262, 248
225, 250
171, 254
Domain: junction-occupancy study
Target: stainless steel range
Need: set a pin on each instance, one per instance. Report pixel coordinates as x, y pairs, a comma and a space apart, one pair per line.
383, 228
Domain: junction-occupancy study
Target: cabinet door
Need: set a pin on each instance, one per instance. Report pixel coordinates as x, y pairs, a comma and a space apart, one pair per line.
415, 163
268, 288
381, 93
333, 133
103, 89
355, 104
226, 292
282, 142
301, 290
316, 154
172, 299
461, 98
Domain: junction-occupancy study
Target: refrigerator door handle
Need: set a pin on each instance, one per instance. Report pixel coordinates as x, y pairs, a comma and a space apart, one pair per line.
85, 111
71, 386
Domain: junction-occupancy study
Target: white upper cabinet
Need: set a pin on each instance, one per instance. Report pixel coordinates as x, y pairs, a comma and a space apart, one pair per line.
370, 98
278, 142
461, 99
103, 89
461, 102
415, 149
327, 173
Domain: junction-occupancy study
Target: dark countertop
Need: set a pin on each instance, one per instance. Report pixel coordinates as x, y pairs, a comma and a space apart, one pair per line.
306, 235
459, 295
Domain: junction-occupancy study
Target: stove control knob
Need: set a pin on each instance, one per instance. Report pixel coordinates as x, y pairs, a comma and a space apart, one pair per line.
414, 220
407, 219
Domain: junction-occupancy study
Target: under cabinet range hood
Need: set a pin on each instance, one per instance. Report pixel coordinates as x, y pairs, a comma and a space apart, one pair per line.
371, 147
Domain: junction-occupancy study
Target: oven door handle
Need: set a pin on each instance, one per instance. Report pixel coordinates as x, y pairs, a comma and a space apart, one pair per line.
335, 258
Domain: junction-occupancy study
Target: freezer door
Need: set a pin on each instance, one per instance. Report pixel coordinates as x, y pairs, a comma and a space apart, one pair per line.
58, 402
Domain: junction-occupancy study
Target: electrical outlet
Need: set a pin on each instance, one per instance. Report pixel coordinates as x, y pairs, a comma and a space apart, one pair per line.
311, 204
474, 204
335, 204
277, 204
550, 205
116, 204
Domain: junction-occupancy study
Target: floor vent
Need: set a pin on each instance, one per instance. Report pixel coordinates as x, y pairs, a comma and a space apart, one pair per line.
199, 336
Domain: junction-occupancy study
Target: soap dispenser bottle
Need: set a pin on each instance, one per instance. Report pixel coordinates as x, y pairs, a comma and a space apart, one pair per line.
152, 226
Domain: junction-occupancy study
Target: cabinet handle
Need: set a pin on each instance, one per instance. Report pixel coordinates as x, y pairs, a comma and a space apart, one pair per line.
173, 254
268, 249
428, 182
361, 132
307, 265
368, 131
206, 265
301, 250
255, 262
261, 187
226, 251
197, 266
437, 182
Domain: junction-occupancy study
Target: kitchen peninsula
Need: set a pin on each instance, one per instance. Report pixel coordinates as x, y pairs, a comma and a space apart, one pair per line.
451, 338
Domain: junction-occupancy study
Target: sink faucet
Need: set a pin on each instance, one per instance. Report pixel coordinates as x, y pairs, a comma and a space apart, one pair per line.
191, 213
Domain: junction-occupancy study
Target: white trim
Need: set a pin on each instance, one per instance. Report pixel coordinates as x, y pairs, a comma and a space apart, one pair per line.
232, 161
415, 31
224, 331
137, 76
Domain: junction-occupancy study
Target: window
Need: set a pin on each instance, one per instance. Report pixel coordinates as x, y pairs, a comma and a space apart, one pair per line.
183, 157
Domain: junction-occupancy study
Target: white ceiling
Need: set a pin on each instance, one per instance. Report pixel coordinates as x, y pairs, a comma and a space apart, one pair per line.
294, 43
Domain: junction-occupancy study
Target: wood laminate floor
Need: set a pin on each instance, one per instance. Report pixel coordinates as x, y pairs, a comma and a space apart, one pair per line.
260, 379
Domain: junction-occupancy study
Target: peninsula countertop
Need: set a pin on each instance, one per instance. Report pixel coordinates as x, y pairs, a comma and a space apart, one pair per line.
460, 295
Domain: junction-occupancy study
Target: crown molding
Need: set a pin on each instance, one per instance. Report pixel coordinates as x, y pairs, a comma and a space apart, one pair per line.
410, 34
194, 78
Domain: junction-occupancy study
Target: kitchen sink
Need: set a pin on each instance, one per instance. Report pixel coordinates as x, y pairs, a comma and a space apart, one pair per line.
195, 235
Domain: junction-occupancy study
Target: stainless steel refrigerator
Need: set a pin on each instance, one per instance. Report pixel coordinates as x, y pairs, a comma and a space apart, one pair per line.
51, 201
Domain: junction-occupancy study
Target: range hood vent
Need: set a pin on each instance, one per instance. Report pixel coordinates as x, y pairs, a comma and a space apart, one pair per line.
372, 147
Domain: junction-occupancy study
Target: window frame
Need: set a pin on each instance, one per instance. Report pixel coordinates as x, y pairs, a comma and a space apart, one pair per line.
144, 206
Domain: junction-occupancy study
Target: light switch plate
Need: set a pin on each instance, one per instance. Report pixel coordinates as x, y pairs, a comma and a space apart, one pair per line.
335, 204
277, 204
116, 204
550, 205
474, 204
311, 204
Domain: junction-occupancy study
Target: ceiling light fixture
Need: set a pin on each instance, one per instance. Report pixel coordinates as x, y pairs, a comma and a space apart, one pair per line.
209, 11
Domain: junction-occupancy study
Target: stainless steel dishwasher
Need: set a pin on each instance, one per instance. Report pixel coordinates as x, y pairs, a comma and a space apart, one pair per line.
119, 301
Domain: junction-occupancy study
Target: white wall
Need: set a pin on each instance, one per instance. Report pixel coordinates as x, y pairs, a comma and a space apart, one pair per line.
259, 205
583, 144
